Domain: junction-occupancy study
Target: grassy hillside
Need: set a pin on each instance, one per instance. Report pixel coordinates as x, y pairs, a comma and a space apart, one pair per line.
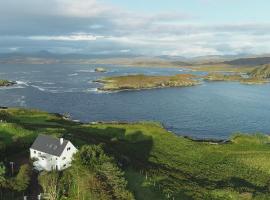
261, 72
158, 164
252, 80
249, 61
219, 68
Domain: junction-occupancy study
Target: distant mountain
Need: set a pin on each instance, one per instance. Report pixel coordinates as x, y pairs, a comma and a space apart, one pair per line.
249, 61
48, 54
47, 57
173, 58
261, 72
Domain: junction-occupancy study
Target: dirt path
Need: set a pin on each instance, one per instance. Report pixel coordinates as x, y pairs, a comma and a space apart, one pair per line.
34, 188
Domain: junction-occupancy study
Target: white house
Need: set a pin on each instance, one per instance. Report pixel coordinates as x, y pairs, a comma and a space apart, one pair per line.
51, 153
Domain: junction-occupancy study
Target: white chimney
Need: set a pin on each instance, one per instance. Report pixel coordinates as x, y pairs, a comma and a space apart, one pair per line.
61, 141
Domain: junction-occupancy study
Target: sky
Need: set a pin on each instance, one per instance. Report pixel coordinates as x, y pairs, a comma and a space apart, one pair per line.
186, 28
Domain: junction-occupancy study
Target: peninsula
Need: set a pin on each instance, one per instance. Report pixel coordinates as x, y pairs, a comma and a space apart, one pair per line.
137, 82
244, 79
257, 75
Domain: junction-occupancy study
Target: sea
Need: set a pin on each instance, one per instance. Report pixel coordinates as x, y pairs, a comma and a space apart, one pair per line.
212, 110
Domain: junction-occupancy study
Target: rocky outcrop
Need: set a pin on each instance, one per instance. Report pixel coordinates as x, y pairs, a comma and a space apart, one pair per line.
100, 69
5, 83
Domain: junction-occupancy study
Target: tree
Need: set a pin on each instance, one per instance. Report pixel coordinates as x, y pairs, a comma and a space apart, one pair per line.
115, 180
107, 177
2, 174
22, 180
2, 177
92, 156
50, 184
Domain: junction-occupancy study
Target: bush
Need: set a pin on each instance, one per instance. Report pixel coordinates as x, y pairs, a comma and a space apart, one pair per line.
50, 184
101, 177
22, 180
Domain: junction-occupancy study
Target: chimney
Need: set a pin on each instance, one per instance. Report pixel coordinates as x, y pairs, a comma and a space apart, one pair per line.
61, 141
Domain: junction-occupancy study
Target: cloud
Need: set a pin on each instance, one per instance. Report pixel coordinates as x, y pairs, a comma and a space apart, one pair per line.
75, 37
89, 26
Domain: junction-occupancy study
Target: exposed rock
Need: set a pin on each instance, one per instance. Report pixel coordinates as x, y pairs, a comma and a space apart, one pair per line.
5, 83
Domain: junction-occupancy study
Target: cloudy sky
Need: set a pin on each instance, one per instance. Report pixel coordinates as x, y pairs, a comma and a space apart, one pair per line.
145, 27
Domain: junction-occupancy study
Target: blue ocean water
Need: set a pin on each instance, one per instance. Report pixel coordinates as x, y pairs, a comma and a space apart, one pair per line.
211, 110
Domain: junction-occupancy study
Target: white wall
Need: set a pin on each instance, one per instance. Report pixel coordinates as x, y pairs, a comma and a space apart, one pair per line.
49, 162
44, 160
66, 157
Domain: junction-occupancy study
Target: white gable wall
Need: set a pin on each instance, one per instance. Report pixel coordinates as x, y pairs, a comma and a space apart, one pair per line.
43, 160
66, 157
49, 162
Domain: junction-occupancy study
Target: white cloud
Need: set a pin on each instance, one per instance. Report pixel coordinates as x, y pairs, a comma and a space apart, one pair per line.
125, 50
69, 24
76, 37
13, 49
82, 8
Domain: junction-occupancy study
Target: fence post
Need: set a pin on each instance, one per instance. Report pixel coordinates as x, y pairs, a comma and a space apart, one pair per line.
12, 167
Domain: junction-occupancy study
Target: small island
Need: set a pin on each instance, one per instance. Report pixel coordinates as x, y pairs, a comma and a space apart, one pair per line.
6, 83
137, 82
100, 69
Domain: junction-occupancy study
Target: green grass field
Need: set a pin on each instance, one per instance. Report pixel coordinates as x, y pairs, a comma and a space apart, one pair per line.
157, 163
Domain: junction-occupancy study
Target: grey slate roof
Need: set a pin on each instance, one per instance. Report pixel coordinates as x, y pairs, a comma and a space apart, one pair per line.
49, 145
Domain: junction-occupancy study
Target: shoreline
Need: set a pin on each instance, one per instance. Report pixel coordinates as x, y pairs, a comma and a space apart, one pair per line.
209, 140
141, 89
191, 138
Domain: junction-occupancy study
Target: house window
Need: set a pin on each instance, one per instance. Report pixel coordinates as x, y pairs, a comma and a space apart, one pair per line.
35, 152
55, 158
64, 158
68, 148
64, 165
39, 153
